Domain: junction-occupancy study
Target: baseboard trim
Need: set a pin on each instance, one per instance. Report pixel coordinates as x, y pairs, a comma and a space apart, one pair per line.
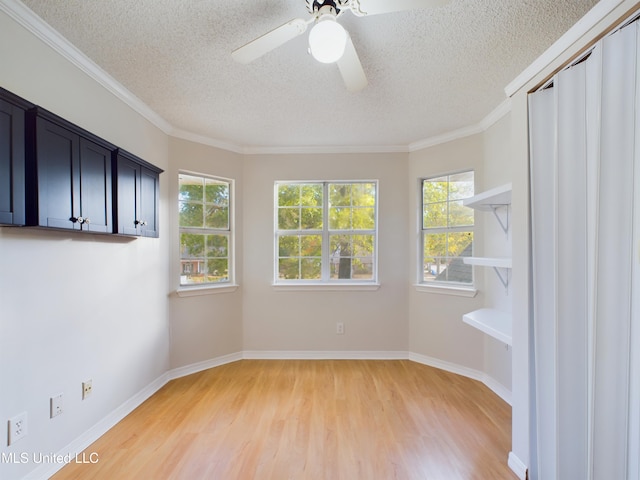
323, 355
81, 443
205, 365
517, 466
490, 383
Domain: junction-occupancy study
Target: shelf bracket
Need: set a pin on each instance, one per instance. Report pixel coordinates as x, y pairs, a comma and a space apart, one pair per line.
504, 224
503, 279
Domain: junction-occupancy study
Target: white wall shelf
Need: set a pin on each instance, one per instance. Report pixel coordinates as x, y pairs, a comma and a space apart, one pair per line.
493, 322
495, 200
497, 263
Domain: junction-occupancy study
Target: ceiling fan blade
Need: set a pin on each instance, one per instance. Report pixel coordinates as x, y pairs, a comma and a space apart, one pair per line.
269, 41
351, 68
375, 7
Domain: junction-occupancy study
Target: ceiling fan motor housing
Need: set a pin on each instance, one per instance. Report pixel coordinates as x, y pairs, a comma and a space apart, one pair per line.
314, 6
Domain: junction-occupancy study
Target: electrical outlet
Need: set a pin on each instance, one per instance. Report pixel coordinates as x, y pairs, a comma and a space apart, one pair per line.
340, 328
87, 388
17, 428
56, 405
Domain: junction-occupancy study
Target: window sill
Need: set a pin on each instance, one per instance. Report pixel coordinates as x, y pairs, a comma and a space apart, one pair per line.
468, 292
326, 287
208, 290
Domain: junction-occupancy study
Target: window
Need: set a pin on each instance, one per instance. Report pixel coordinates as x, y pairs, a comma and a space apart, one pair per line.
326, 232
204, 205
447, 229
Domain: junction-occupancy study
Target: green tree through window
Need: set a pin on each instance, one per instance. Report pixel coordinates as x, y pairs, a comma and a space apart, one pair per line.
447, 228
326, 231
204, 205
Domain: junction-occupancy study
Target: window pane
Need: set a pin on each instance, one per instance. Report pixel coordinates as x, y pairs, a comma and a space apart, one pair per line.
461, 186
460, 244
435, 245
340, 218
434, 269
363, 194
362, 245
217, 217
311, 218
289, 246
340, 194
459, 272
310, 268
191, 188
435, 215
217, 246
288, 195
204, 208
216, 192
459, 215
288, 269
288, 219
362, 268
311, 245
190, 214
435, 190
217, 270
191, 245
320, 209
311, 195
364, 218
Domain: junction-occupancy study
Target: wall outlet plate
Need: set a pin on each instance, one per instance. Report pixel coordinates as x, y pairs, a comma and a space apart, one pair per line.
17, 428
56, 405
340, 328
87, 388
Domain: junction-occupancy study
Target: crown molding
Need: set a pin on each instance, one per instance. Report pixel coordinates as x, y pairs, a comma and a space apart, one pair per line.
495, 115
571, 36
43, 31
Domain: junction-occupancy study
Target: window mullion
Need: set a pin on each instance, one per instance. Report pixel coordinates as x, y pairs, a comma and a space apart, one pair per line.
325, 261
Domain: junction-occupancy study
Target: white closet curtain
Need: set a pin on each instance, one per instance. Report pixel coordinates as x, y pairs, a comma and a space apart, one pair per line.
585, 211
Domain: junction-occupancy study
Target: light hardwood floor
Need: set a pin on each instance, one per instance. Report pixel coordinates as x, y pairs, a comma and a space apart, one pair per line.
311, 419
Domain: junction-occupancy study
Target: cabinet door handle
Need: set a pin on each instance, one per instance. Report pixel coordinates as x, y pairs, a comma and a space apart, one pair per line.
86, 220
79, 220
143, 223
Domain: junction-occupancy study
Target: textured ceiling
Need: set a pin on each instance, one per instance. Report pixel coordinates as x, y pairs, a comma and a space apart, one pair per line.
429, 71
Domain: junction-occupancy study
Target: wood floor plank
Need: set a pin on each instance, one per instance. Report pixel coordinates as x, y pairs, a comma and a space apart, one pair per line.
310, 419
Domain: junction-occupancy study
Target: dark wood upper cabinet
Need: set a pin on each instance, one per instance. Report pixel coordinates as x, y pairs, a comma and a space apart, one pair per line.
136, 187
12, 158
55, 174
68, 175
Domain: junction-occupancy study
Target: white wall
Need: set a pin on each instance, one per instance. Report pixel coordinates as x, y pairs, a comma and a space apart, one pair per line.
209, 326
72, 306
286, 320
435, 319
497, 172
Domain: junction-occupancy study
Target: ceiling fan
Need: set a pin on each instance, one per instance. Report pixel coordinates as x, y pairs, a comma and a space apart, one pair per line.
329, 42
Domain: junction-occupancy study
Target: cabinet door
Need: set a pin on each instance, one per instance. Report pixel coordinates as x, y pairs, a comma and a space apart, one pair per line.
149, 198
58, 167
128, 201
12, 157
95, 187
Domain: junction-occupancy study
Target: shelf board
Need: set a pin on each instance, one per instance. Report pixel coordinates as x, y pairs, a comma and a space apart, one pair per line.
496, 262
493, 322
491, 199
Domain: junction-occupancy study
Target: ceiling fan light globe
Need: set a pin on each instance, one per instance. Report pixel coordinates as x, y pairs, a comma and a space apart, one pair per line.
327, 40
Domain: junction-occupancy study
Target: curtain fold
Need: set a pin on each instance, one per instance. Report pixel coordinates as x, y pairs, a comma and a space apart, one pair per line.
585, 199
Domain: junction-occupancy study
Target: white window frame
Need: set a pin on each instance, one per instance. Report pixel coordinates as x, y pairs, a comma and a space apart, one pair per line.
186, 290
326, 282
446, 286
